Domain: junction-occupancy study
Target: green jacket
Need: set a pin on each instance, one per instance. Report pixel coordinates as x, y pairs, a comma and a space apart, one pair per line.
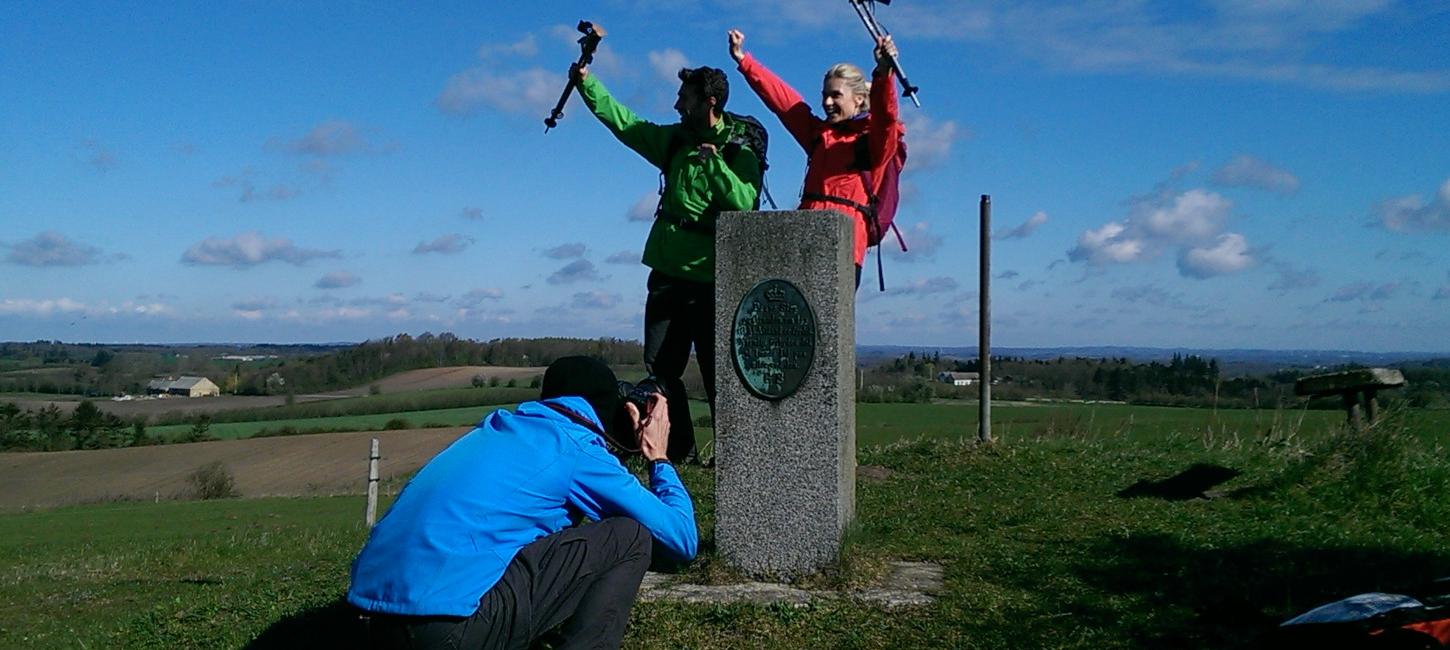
682, 241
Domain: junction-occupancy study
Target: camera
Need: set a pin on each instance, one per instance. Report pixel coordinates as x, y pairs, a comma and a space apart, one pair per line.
639, 394
621, 434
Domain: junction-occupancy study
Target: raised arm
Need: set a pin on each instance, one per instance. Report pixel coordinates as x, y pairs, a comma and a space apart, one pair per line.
646, 138
884, 127
778, 96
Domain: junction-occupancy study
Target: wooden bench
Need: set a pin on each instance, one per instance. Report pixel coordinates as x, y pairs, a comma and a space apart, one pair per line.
1350, 385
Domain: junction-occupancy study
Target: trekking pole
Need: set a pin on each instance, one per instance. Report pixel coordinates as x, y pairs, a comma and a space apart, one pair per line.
864, 9
587, 44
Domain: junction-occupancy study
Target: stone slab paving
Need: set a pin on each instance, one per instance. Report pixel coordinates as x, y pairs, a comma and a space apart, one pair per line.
907, 584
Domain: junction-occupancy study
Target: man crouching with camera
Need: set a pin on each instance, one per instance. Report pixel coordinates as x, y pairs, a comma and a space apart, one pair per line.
485, 546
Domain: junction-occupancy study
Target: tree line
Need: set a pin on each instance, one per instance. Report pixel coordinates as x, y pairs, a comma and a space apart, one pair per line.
1184, 380
52, 367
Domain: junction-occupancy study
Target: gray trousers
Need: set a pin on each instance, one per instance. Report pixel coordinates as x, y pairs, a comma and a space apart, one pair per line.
573, 589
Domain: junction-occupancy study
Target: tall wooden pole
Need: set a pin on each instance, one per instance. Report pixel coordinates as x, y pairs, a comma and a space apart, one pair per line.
372, 516
984, 326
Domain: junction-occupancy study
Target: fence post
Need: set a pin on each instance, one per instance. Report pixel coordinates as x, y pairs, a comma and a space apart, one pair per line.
984, 325
372, 515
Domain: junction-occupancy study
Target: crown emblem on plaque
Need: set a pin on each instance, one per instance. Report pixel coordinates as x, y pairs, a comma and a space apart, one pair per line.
775, 293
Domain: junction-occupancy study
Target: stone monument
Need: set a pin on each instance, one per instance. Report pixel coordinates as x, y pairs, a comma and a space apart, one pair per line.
785, 401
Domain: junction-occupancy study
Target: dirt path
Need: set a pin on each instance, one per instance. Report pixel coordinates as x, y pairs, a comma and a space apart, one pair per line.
308, 465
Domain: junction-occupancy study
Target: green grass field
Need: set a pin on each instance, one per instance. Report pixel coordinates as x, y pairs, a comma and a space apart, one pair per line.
422, 400
885, 423
454, 417
1038, 548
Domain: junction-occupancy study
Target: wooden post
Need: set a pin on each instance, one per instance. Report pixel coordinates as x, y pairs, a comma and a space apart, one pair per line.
984, 326
372, 515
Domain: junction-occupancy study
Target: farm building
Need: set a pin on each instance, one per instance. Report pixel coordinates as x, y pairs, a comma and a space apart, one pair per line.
959, 378
184, 386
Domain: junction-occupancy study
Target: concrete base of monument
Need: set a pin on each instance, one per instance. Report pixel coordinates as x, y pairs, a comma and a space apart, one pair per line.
907, 584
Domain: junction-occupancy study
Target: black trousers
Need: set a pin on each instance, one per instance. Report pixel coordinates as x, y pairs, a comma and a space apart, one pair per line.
573, 589
679, 314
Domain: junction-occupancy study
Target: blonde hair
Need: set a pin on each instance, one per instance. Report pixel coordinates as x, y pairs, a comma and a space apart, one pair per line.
854, 79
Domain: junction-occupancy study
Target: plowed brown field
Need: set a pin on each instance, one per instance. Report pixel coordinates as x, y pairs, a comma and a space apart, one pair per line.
423, 379
307, 465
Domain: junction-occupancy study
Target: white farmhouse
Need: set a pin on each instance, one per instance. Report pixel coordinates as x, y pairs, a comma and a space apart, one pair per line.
183, 386
959, 378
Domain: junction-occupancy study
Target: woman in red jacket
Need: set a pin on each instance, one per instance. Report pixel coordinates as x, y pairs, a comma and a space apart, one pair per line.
834, 167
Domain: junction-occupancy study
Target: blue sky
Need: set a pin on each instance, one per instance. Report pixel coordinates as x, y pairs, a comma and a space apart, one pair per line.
1222, 174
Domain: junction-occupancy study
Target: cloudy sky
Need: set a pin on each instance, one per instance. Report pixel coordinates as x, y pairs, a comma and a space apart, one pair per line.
1216, 174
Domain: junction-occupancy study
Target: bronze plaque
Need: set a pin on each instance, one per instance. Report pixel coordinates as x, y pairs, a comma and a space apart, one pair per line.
774, 341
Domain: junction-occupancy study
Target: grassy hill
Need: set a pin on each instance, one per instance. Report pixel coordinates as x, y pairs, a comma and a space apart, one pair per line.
1039, 548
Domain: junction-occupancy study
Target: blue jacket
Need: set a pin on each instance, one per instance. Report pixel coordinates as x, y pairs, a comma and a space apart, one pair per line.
515, 478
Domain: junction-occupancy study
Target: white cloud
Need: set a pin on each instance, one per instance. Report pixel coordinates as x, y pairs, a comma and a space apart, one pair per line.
595, 300
1291, 279
1148, 294
1413, 214
471, 213
1193, 215
337, 280
250, 193
476, 297
42, 307
1109, 244
392, 300
921, 243
1228, 254
449, 244
1365, 292
566, 251
1192, 220
928, 142
606, 61
623, 257
924, 286
526, 46
330, 138
644, 208
1280, 42
1248, 171
253, 308
527, 92
51, 248
667, 63
576, 271
249, 249
66, 307
1026, 228
325, 315
255, 304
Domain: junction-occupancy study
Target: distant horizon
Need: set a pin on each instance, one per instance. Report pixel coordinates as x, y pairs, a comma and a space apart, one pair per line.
903, 346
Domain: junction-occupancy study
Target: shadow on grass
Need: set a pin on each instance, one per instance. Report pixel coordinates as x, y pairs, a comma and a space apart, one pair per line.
1191, 483
1226, 597
334, 625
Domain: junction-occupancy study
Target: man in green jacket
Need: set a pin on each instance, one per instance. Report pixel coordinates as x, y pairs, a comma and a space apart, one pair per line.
705, 171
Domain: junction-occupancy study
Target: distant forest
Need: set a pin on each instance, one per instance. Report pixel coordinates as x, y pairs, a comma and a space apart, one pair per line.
52, 367
1185, 380
49, 367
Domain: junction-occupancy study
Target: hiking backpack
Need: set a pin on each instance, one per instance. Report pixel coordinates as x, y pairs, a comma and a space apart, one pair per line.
880, 210
752, 136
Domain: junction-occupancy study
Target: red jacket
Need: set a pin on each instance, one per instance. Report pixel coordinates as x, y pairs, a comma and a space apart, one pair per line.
832, 148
